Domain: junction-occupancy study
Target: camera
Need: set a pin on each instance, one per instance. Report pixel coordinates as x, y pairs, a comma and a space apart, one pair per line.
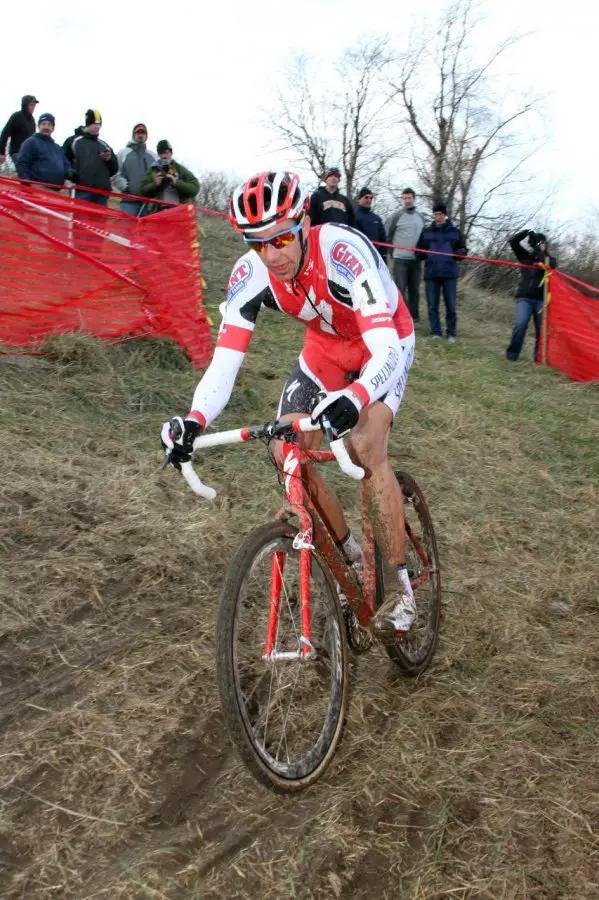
164, 168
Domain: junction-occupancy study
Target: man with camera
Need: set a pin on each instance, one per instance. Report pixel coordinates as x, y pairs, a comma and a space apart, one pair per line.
168, 180
534, 255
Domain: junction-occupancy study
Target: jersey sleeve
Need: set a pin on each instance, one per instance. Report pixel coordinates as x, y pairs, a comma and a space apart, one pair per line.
248, 291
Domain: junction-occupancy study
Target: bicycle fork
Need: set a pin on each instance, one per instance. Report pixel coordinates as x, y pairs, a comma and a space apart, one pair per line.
303, 542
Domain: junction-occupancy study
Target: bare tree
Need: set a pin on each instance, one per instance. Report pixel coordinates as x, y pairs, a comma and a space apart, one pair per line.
465, 151
215, 190
344, 121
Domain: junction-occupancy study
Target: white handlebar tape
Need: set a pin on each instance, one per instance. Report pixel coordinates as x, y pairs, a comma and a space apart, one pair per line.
195, 483
345, 463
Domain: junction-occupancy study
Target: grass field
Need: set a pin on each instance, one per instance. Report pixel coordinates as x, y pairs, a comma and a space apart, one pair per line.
477, 782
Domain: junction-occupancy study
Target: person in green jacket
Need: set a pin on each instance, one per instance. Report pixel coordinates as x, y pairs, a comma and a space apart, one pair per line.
168, 180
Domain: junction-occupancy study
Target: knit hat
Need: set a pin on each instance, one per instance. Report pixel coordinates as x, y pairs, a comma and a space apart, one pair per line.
46, 117
363, 192
161, 146
332, 171
93, 117
139, 127
440, 207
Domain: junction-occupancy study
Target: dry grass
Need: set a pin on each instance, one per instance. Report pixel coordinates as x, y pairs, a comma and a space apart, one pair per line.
478, 782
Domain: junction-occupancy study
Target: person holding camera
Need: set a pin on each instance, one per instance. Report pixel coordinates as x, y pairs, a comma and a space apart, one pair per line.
530, 294
168, 180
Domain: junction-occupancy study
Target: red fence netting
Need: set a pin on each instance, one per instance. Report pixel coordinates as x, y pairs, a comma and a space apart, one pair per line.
572, 344
69, 265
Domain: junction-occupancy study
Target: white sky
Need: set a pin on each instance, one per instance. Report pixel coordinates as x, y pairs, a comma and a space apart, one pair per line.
198, 73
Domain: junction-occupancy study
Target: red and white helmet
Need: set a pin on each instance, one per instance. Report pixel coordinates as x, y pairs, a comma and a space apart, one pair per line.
265, 199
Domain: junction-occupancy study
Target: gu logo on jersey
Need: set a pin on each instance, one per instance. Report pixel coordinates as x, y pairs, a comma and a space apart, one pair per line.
239, 279
345, 260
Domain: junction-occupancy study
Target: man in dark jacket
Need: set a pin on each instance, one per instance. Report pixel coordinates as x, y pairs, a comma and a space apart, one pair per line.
368, 222
20, 126
327, 204
41, 158
134, 161
93, 161
168, 180
441, 239
530, 293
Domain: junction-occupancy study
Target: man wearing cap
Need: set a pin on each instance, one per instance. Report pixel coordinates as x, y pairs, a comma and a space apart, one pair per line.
328, 204
20, 126
93, 161
41, 158
368, 222
530, 293
168, 180
444, 244
134, 161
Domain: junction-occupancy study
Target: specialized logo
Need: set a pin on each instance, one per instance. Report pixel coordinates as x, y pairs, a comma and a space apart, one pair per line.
290, 391
239, 279
346, 261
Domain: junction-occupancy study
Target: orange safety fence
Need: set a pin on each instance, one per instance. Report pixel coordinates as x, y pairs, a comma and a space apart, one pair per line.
572, 342
69, 265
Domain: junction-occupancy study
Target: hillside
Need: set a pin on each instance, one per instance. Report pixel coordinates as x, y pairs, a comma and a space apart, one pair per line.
478, 782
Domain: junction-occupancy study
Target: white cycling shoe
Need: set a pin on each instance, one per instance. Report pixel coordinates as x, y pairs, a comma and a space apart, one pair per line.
395, 614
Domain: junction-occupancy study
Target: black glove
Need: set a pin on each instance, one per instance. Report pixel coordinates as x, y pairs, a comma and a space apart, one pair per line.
341, 408
177, 437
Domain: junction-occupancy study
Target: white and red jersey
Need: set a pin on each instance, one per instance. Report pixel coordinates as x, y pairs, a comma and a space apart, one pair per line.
345, 297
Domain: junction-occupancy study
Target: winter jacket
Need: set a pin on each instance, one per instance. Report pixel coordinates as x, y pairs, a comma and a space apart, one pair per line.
20, 126
83, 152
183, 191
330, 206
404, 227
370, 224
42, 159
530, 284
134, 161
445, 238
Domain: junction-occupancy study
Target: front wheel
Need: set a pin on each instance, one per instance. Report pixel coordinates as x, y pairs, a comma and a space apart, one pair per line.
285, 713
414, 651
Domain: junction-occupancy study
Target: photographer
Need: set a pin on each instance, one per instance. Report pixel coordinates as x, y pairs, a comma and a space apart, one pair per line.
530, 293
168, 180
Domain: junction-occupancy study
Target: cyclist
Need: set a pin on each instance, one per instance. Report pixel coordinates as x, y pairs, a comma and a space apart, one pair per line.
331, 279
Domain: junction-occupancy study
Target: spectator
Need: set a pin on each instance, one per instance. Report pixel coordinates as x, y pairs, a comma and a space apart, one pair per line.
327, 204
404, 228
41, 158
20, 126
530, 293
134, 161
168, 180
442, 240
93, 161
368, 222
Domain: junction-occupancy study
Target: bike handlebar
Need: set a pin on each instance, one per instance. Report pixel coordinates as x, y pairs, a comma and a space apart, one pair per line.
241, 435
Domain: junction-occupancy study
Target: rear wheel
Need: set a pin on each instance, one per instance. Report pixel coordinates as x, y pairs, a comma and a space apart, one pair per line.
414, 651
285, 714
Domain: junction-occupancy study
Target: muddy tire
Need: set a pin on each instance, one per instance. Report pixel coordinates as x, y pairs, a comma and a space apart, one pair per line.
285, 716
414, 652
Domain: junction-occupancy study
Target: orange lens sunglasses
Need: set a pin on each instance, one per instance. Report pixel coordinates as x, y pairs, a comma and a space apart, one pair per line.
278, 241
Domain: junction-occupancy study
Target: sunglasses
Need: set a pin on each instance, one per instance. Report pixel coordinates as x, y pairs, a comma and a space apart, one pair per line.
278, 241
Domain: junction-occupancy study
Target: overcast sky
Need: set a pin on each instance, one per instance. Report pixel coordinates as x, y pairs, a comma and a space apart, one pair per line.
198, 73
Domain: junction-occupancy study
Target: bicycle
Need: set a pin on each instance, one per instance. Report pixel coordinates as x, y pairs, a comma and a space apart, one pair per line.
290, 607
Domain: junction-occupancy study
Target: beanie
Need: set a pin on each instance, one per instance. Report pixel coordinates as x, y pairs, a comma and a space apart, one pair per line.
46, 117
363, 192
93, 117
440, 207
161, 146
332, 171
